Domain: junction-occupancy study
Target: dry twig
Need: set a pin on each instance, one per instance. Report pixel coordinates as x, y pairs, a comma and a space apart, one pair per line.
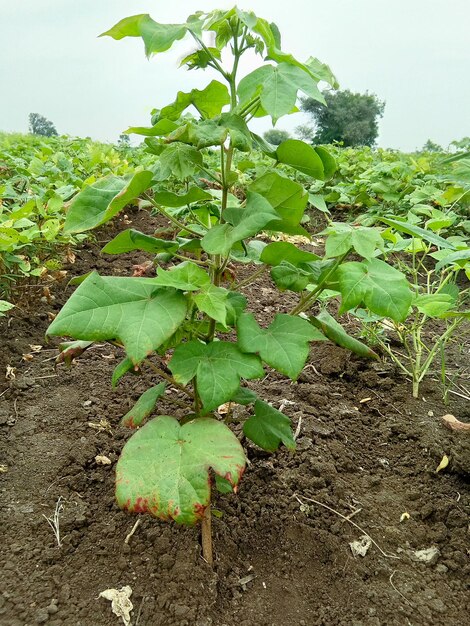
347, 519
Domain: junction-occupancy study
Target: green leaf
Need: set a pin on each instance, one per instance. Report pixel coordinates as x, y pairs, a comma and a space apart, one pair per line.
218, 368
186, 276
318, 202
235, 304
289, 277
101, 201
162, 127
380, 287
454, 257
244, 396
343, 237
157, 37
339, 241
131, 239
240, 224
132, 310
179, 160
143, 407
268, 428
212, 300
238, 130
278, 251
208, 101
278, 87
417, 231
126, 365
5, 306
434, 304
164, 468
300, 156
329, 162
366, 241
287, 197
336, 333
174, 200
284, 345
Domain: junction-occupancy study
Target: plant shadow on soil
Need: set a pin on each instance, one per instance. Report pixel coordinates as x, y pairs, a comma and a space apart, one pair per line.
277, 562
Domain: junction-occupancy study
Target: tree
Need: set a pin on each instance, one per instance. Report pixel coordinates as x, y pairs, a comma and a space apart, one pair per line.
431, 146
276, 136
350, 118
39, 125
124, 141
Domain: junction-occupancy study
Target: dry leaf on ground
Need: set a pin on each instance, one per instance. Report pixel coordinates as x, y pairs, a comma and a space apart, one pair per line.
120, 602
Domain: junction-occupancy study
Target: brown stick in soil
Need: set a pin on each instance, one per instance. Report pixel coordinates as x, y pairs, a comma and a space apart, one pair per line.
206, 536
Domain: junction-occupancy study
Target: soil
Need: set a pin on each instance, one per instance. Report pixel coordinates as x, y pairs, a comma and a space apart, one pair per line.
365, 463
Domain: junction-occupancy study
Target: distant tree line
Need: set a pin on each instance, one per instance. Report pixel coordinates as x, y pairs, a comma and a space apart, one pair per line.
39, 125
349, 118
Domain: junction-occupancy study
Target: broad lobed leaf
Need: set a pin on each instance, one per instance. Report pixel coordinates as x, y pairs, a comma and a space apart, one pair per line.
164, 468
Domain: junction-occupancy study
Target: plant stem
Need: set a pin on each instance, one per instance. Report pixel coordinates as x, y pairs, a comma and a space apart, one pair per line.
171, 218
169, 378
305, 302
252, 277
206, 536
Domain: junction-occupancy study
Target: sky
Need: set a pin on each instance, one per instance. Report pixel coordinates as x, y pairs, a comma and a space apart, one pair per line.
414, 54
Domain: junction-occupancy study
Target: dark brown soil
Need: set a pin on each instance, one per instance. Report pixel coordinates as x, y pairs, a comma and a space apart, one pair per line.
366, 450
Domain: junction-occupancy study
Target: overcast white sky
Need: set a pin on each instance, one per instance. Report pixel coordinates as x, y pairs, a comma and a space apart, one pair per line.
414, 54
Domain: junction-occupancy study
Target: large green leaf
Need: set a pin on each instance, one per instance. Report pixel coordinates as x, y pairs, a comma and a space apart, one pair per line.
240, 224
302, 157
162, 127
179, 160
208, 101
164, 468
157, 37
218, 368
186, 276
336, 333
101, 201
131, 239
289, 276
434, 304
144, 406
343, 237
212, 300
417, 231
284, 344
126, 365
277, 87
268, 428
132, 310
329, 162
375, 284
278, 251
454, 257
286, 196
174, 200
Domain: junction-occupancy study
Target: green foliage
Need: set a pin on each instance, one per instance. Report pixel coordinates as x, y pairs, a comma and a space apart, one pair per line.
164, 468
431, 146
38, 177
188, 324
432, 264
349, 118
39, 125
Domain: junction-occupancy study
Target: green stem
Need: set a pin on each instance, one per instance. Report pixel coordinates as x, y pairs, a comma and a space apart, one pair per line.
172, 219
252, 277
305, 302
214, 61
168, 378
